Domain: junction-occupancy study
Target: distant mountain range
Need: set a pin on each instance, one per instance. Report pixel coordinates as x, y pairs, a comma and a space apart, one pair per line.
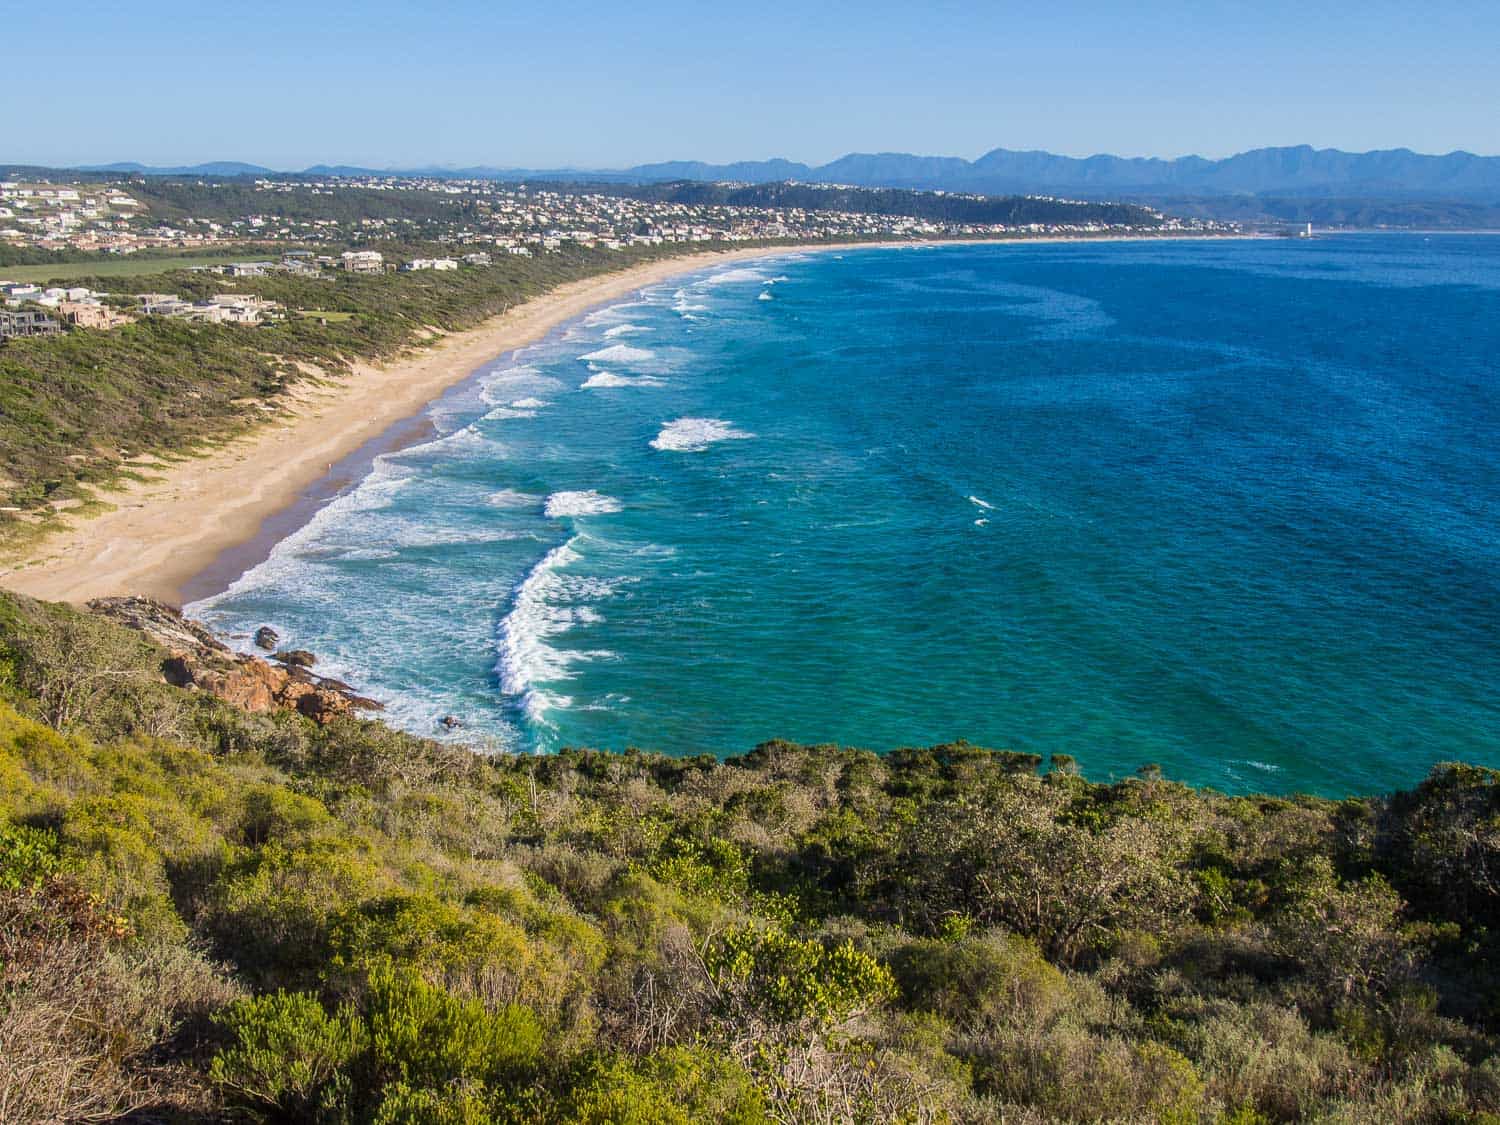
1302, 171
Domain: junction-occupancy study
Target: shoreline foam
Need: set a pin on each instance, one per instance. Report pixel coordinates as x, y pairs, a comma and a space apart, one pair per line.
164, 535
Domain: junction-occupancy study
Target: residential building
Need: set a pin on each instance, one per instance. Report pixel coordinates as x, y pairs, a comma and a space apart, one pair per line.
91, 314
27, 322
362, 261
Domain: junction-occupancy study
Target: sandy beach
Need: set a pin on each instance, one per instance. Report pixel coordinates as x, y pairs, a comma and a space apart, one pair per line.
163, 533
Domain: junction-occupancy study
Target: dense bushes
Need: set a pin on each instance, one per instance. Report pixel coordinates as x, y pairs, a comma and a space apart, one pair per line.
264, 918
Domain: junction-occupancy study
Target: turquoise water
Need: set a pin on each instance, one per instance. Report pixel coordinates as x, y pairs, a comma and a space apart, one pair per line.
1227, 507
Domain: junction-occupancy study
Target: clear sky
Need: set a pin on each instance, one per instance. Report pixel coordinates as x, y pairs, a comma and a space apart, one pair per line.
566, 83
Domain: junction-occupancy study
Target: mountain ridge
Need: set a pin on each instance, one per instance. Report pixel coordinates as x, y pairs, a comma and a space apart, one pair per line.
1296, 170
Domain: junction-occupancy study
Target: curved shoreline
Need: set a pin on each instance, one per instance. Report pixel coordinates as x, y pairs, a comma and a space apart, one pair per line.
198, 525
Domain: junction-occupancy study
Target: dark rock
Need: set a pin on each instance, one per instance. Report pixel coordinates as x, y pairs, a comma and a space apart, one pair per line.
361, 703
297, 658
177, 671
266, 638
451, 722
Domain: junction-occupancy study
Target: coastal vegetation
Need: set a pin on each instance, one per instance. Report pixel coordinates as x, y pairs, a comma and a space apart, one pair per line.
207, 914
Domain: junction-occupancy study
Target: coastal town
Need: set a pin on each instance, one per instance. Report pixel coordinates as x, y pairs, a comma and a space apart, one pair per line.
120, 218
244, 229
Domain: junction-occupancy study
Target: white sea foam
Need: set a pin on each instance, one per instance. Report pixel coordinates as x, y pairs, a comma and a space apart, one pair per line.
355, 507
511, 498
734, 276
981, 522
502, 387
685, 306
466, 440
612, 313
693, 435
625, 330
609, 379
620, 353
501, 413
765, 296
589, 503
541, 609
529, 404
418, 537
986, 505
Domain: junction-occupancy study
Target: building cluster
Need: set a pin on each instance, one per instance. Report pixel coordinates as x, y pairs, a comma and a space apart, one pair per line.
221, 308
67, 216
516, 219
529, 218
31, 310
76, 305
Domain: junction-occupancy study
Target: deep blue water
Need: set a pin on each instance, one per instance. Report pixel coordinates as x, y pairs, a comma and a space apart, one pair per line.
1233, 508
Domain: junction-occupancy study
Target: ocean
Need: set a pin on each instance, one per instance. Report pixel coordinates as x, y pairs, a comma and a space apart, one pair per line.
1231, 508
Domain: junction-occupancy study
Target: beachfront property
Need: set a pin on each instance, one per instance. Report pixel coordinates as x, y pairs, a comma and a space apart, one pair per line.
91, 314
429, 264
27, 322
221, 308
17, 293
77, 305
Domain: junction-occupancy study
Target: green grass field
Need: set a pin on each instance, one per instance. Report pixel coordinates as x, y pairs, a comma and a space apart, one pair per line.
130, 265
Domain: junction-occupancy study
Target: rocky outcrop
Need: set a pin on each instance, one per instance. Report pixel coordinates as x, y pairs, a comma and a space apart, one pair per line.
266, 638
197, 660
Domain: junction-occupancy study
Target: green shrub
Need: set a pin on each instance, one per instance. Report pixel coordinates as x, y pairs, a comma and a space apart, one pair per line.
29, 857
787, 980
993, 976
424, 1037
289, 1055
682, 1085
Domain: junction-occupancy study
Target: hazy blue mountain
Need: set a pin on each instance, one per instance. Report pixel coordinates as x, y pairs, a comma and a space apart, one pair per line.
746, 171
1301, 171
1392, 173
213, 168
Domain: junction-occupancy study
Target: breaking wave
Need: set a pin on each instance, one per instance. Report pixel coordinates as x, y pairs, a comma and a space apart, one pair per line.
610, 379
589, 503
693, 435
620, 353
545, 604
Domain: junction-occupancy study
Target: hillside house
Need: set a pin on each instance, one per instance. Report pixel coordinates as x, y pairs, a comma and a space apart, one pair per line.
362, 261
91, 314
27, 322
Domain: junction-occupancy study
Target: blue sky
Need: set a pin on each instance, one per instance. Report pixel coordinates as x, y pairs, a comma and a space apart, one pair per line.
551, 84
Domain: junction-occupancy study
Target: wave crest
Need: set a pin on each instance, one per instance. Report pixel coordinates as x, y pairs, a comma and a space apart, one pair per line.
620, 353
609, 379
582, 503
693, 435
